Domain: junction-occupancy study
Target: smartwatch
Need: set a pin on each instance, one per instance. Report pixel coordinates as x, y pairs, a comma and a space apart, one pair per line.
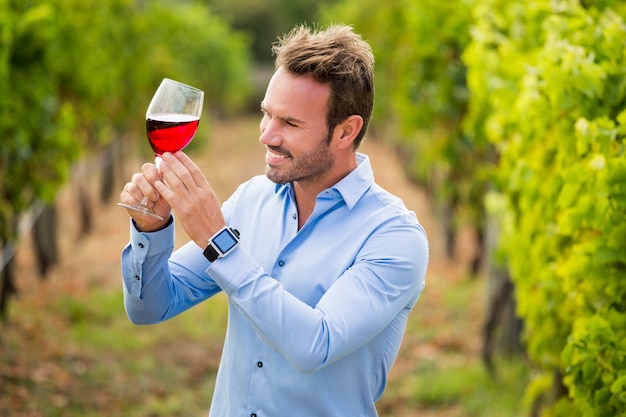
221, 244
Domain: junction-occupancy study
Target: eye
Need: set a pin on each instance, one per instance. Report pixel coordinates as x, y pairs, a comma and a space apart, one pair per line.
287, 121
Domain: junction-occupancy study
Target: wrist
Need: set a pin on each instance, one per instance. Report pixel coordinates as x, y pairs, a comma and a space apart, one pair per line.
221, 244
149, 228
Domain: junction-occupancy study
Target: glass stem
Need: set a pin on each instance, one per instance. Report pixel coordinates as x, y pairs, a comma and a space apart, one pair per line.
157, 163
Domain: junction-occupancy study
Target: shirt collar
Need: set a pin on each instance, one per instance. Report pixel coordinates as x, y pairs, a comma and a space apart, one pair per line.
352, 187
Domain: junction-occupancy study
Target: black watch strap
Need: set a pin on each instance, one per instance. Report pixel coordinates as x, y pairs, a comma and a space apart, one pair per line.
211, 254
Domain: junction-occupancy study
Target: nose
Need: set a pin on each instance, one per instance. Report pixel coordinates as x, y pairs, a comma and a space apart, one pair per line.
269, 134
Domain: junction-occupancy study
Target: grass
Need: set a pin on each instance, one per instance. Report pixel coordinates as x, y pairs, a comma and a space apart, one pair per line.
469, 389
90, 361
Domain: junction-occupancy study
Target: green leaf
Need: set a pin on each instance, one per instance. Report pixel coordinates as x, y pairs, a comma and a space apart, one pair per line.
619, 387
617, 238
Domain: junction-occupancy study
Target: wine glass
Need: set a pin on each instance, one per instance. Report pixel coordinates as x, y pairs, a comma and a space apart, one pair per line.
171, 122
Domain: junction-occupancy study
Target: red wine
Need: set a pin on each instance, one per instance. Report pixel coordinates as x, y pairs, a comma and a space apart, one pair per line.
170, 132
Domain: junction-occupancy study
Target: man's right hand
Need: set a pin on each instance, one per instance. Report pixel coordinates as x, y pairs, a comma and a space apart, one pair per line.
142, 185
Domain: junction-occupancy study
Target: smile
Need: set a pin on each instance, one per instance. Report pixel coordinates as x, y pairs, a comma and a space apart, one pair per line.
273, 158
276, 156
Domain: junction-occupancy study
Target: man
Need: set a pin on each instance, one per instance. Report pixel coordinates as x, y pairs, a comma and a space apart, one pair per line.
328, 265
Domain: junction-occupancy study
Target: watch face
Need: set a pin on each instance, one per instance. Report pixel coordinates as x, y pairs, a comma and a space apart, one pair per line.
224, 241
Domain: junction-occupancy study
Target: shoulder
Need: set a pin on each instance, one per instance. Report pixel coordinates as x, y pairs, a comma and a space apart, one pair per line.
256, 191
257, 185
389, 205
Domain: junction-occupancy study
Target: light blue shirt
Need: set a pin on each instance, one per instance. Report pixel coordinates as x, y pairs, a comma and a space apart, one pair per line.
316, 316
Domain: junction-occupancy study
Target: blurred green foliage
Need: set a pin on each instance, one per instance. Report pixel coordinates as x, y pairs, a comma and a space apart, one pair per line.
75, 75
422, 94
264, 20
550, 92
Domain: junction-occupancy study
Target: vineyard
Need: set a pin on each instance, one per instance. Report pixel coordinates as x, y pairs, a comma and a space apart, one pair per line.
510, 115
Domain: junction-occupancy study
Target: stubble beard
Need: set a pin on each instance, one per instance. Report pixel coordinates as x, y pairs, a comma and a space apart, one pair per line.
307, 167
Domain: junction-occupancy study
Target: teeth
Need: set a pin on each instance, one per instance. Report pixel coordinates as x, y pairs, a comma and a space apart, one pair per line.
275, 155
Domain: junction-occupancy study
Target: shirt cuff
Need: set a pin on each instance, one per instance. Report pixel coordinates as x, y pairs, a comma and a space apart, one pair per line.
234, 270
151, 243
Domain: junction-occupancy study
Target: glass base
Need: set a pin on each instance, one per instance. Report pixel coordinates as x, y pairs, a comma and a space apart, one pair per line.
142, 209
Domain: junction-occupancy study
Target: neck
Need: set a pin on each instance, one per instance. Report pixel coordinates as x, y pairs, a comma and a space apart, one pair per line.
306, 191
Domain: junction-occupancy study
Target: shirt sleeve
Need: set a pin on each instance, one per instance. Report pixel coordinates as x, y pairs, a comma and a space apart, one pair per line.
159, 284
386, 278
156, 289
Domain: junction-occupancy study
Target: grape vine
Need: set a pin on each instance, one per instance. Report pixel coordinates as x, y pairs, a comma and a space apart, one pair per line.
75, 76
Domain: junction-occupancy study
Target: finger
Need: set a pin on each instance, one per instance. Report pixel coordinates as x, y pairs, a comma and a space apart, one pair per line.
175, 179
176, 174
193, 169
126, 195
137, 188
145, 181
186, 170
131, 193
168, 195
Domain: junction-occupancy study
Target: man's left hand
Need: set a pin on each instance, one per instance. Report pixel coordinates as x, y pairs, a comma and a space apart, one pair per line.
191, 197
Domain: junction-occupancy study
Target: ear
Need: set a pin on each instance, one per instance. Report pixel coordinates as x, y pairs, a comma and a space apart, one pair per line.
347, 131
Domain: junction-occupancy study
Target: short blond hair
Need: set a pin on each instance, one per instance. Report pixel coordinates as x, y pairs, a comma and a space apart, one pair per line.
336, 56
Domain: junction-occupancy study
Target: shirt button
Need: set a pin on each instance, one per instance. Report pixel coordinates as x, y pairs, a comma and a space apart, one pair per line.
281, 263
294, 216
140, 245
253, 415
137, 277
259, 364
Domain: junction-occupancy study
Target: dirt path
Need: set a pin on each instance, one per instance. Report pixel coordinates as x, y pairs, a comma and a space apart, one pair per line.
232, 156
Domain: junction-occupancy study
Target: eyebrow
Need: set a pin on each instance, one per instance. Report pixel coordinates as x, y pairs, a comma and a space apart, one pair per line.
286, 119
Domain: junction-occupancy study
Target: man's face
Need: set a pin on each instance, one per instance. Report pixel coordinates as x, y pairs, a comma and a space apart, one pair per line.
294, 130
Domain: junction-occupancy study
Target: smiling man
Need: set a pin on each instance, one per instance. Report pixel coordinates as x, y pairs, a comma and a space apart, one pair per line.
321, 266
